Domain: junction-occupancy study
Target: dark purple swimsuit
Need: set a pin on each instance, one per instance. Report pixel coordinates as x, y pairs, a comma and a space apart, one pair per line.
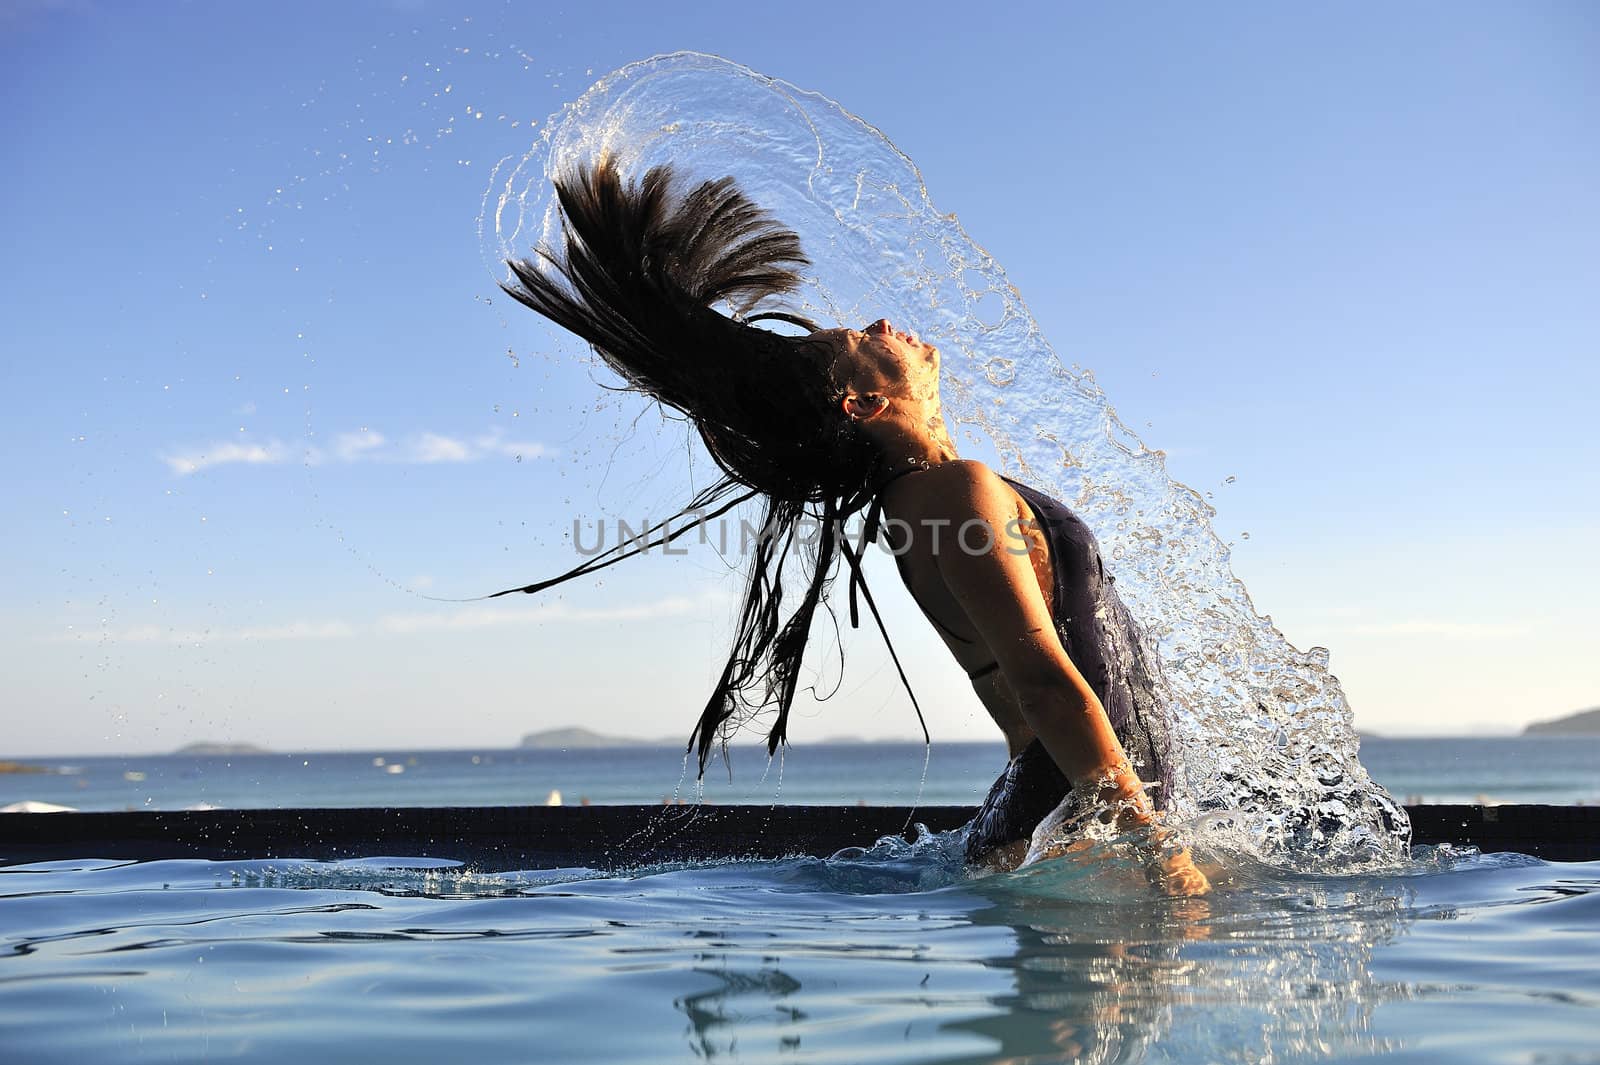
1105, 643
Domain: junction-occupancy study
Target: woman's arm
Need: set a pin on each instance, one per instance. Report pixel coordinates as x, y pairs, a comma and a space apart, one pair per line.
998, 590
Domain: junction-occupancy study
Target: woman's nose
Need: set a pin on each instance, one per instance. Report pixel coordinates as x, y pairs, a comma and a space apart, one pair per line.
880, 326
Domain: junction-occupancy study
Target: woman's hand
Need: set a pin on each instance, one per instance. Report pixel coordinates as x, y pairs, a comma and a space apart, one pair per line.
1168, 865
1176, 876
1122, 808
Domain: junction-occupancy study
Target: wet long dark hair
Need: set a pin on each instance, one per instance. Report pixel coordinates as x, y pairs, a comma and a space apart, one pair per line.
640, 274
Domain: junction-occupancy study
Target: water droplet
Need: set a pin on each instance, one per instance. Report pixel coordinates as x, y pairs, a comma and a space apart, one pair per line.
1000, 372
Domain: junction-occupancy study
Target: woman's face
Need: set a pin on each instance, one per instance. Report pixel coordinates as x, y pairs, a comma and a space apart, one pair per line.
881, 360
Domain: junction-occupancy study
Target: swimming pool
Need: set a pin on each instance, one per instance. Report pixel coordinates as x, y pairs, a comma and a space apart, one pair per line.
891, 955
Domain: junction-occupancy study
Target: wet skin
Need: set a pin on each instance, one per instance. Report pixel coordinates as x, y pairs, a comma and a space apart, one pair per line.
991, 606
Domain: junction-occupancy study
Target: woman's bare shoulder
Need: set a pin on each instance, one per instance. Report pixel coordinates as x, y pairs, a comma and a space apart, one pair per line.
966, 476
960, 485
957, 473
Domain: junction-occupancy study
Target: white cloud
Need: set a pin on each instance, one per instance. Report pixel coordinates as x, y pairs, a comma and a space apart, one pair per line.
293, 630
495, 444
457, 620
352, 447
364, 445
185, 463
434, 447
431, 447
484, 617
1459, 630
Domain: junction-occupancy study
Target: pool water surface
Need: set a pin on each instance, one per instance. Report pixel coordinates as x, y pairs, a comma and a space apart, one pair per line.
893, 955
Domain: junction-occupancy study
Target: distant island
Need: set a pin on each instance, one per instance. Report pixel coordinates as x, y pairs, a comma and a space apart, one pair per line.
580, 738
1583, 723
566, 738
221, 748
22, 767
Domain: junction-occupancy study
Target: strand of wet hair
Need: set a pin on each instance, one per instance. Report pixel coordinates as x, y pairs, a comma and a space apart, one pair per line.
600, 561
866, 593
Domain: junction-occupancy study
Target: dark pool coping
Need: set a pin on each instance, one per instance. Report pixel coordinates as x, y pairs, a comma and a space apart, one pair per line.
534, 837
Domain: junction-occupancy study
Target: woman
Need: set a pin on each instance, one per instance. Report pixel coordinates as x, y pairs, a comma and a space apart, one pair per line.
835, 422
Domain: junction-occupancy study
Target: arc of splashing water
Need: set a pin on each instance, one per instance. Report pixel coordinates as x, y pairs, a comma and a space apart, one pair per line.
1270, 751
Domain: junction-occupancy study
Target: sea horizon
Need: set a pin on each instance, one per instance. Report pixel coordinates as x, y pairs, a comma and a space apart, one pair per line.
247, 748
1555, 770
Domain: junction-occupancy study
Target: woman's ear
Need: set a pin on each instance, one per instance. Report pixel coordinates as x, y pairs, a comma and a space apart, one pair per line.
864, 406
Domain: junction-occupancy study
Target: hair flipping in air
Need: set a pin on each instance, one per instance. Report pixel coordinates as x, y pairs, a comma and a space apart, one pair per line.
639, 274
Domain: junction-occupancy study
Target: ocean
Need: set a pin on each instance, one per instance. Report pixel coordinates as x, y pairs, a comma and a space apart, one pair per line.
1561, 770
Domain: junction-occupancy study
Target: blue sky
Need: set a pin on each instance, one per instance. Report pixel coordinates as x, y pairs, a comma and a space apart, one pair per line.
263, 397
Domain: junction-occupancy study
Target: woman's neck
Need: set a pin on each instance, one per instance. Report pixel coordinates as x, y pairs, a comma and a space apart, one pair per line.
905, 446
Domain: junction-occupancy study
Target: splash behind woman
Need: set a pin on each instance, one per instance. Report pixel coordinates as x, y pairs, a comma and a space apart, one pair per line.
828, 423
